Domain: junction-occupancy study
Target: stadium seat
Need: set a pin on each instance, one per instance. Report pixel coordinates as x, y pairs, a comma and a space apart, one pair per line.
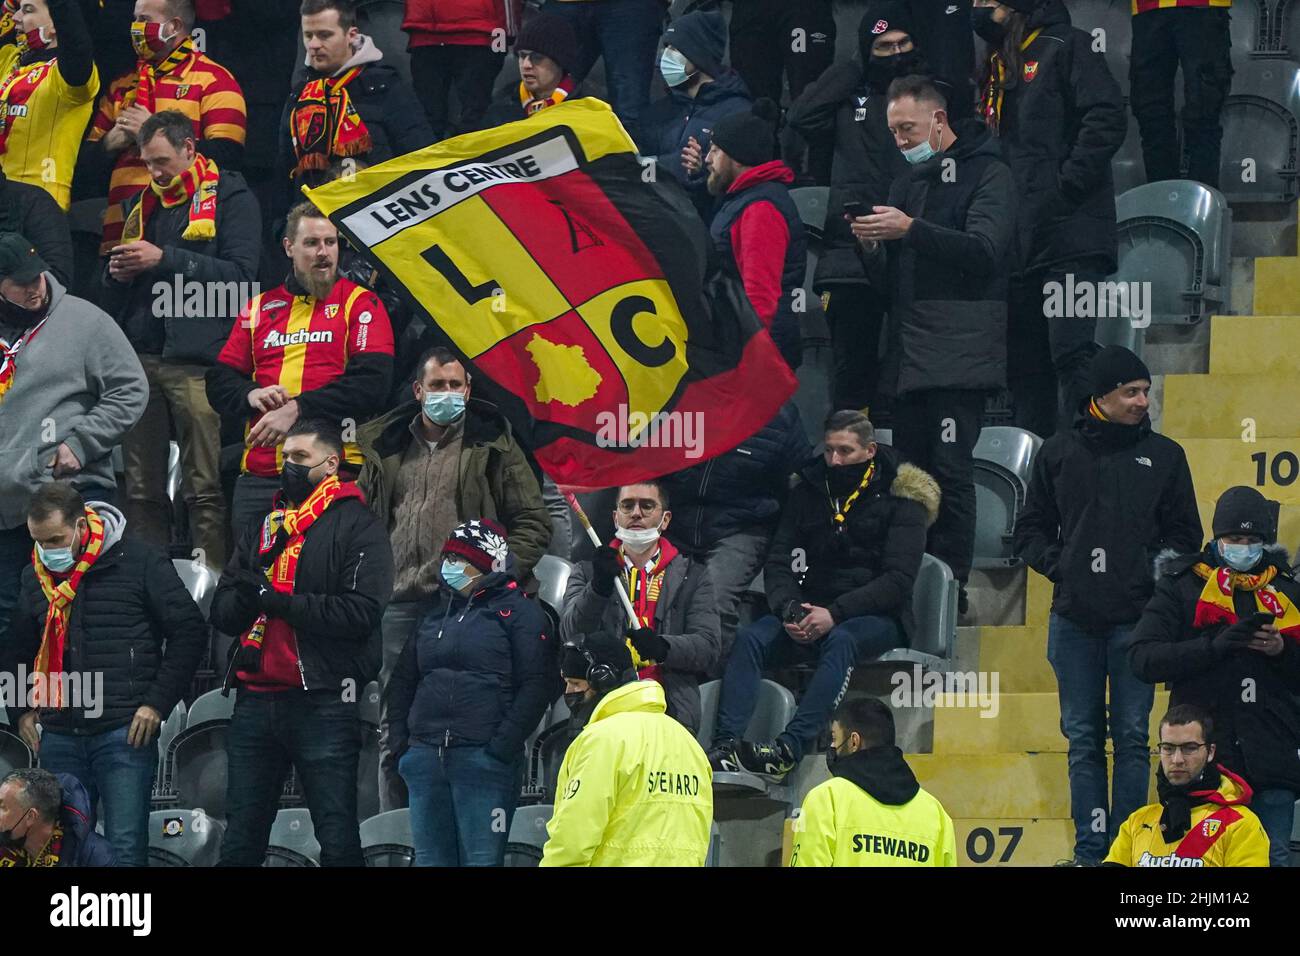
528, 835
714, 857
184, 838
14, 752
195, 773
172, 725
811, 201
776, 705
293, 840
200, 580
884, 436
211, 706
1174, 236
934, 609
1003, 456
386, 839
1250, 27
1114, 17
552, 573
368, 761
1261, 128
1127, 168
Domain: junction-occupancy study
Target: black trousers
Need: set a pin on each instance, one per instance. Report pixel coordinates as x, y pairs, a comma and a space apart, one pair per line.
855, 318
1197, 40
437, 71
936, 430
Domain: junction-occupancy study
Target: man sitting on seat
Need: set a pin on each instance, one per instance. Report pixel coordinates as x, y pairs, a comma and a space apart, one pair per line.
872, 812
839, 578
45, 821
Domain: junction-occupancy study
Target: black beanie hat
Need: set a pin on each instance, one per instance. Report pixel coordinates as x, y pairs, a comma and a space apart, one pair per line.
1112, 367
701, 37
551, 36
1243, 510
749, 138
573, 663
881, 16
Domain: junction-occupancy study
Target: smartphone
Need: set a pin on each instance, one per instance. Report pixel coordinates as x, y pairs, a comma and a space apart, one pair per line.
855, 209
1261, 618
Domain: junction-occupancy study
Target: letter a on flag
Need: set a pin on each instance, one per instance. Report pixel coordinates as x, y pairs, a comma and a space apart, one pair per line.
576, 288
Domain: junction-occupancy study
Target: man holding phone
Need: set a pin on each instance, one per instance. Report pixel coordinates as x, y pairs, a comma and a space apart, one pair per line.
1223, 628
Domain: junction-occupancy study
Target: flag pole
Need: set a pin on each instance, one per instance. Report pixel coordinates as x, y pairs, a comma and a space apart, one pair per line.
619, 585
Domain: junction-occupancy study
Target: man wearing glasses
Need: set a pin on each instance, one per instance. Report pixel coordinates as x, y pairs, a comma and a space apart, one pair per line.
678, 634
1202, 818
546, 50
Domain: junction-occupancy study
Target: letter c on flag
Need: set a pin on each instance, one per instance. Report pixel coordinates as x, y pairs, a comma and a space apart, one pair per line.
620, 323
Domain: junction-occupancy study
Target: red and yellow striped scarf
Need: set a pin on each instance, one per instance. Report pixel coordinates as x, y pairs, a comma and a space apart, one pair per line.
325, 124
196, 186
995, 89
148, 75
562, 91
1215, 605
9, 356
49, 856
48, 667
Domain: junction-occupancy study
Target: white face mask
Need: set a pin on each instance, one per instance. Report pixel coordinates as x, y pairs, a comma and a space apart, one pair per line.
638, 538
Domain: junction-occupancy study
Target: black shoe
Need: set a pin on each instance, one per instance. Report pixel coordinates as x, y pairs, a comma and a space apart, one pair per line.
963, 601
772, 759
722, 756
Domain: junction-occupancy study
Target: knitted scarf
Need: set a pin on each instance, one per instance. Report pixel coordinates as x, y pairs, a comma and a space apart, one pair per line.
196, 186
325, 124
1215, 605
49, 856
532, 105
644, 589
150, 73
48, 689
995, 90
16, 89
280, 543
9, 356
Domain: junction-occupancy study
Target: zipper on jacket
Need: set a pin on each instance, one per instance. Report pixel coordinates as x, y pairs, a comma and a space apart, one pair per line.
357, 570
302, 672
704, 484
130, 680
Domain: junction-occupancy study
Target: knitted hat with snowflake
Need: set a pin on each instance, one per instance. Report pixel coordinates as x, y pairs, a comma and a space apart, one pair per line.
481, 542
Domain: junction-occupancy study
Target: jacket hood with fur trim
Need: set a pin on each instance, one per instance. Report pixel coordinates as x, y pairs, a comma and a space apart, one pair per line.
1173, 563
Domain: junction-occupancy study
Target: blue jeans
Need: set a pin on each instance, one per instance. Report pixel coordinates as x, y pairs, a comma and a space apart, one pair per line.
462, 801
1276, 810
1083, 662
765, 644
320, 735
110, 769
626, 33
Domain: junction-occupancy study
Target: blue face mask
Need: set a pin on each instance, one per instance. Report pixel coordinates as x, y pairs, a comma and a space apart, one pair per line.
673, 67
443, 408
921, 151
57, 560
453, 572
1241, 557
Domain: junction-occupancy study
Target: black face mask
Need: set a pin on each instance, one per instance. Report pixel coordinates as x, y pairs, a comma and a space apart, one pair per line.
294, 482
844, 479
880, 71
19, 317
7, 839
575, 700
832, 757
985, 28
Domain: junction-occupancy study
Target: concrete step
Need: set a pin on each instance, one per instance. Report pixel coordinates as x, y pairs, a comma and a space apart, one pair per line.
1219, 463
1277, 284
1019, 656
1038, 599
1218, 406
1026, 842
999, 786
1254, 344
1021, 722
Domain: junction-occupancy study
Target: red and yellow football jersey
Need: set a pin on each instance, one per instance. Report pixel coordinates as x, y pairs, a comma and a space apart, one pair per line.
302, 343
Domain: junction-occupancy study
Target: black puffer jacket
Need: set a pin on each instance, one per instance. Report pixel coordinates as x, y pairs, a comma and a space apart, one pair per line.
132, 621
32, 213
1118, 494
478, 671
1256, 734
342, 584
870, 567
219, 271
741, 490
947, 278
1059, 132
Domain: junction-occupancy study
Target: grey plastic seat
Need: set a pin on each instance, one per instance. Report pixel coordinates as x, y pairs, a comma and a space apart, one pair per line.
1250, 27
1174, 235
775, 706
1010, 448
184, 838
195, 772
386, 839
1261, 123
1003, 457
552, 573
367, 772
812, 203
200, 580
14, 752
171, 727
934, 609
293, 840
1127, 168
884, 436
368, 704
211, 706
528, 834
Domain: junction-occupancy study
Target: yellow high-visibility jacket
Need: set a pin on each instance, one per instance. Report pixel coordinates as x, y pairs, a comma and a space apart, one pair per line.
635, 788
842, 824
1238, 840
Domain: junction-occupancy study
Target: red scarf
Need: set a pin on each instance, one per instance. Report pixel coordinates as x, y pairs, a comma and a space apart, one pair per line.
644, 589
9, 356
16, 89
196, 186
325, 124
1216, 606
532, 105
148, 75
48, 668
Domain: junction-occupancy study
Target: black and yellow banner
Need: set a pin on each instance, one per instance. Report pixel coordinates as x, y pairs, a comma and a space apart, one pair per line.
576, 284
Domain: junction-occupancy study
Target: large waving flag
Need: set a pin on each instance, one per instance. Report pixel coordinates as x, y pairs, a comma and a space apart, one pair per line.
577, 287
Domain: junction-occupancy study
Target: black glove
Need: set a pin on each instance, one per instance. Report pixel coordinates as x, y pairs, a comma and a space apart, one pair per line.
271, 601
649, 645
606, 565
1234, 637
245, 585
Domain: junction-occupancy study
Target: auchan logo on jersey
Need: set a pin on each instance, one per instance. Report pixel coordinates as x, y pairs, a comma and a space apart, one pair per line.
278, 340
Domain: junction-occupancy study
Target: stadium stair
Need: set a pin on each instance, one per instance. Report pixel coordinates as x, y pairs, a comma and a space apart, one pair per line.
1003, 779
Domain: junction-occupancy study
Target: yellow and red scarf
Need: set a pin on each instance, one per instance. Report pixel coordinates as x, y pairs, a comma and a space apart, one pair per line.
148, 75
48, 691
644, 588
196, 186
1215, 605
995, 89
1095, 410
532, 105
16, 89
325, 124
47, 857
9, 356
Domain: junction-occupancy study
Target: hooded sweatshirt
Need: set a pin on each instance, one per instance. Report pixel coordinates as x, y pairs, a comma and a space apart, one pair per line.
872, 812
